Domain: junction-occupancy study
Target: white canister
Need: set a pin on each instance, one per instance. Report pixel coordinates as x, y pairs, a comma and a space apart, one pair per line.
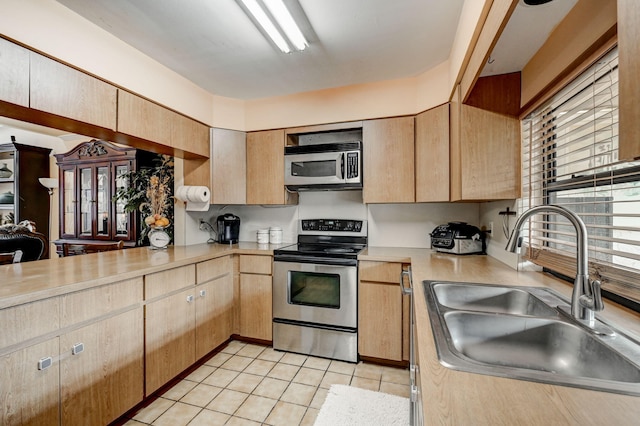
275, 235
263, 236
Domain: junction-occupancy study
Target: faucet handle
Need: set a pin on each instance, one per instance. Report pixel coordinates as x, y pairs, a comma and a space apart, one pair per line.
593, 301
596, 294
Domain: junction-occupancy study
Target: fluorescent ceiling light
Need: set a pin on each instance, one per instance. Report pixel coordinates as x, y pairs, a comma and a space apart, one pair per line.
286, 22
267, 25
264, 12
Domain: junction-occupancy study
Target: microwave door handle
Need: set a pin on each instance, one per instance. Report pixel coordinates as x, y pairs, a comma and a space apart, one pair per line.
342, 165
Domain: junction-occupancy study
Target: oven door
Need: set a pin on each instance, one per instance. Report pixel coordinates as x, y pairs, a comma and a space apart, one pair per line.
316, 293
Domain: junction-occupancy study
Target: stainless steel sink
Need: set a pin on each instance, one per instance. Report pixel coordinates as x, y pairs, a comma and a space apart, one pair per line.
517, 332
489, 298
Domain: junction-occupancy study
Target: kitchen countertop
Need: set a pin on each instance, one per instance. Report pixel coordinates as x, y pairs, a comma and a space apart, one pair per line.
461, 398
32, 281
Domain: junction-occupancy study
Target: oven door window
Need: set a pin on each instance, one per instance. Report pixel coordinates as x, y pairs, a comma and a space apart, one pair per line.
314, 289
324, 168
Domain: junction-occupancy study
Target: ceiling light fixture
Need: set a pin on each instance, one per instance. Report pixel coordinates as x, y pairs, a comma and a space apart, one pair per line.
287, 23
283, 20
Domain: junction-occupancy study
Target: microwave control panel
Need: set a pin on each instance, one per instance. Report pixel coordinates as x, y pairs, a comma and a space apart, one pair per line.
353, 166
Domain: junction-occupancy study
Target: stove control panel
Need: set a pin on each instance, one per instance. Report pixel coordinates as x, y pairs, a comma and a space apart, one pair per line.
334, 225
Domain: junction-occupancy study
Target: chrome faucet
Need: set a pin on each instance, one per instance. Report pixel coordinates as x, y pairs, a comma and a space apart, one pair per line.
586, 298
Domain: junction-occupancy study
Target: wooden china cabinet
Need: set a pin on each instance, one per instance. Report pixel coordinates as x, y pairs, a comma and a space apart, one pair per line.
89, 175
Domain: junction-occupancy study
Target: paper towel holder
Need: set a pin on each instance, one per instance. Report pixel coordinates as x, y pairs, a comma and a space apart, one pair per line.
197, 198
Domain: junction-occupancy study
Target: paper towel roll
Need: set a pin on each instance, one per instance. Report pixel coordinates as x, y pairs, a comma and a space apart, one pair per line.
197, 197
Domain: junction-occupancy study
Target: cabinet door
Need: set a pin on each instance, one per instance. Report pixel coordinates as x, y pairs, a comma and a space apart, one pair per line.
123, 224
228, 167
143, 119
388, 151
214, 314
265, 167
68, 202
169, 338
14, 73
101, 371
486, 162
29, 395
432, 155
189, 136
62, 90
380, 311
256, 306
380, 320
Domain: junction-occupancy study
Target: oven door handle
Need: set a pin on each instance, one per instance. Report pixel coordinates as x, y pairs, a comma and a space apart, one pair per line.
406, 290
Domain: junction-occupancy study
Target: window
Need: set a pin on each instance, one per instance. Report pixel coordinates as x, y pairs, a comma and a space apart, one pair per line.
570, 158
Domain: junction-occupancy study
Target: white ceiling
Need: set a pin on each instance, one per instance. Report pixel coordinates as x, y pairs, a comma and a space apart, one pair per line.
214, 44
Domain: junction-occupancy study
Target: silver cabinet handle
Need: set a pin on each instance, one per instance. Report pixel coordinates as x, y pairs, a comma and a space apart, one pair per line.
406, 290
190, 298
45, 362
203, 293
77, 348
414, 394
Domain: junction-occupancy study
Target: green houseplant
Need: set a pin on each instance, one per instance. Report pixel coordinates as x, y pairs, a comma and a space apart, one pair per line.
149, 192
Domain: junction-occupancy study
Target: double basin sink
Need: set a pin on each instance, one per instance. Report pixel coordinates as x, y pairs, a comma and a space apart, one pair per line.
518, 332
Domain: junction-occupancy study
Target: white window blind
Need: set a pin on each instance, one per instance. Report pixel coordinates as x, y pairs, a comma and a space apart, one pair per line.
570, 158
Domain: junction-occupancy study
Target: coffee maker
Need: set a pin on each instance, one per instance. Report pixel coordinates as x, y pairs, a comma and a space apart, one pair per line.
228, 228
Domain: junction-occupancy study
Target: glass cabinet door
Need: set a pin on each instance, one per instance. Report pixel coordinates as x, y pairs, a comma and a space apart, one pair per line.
86, 201
103, 202
68, 219
122, 217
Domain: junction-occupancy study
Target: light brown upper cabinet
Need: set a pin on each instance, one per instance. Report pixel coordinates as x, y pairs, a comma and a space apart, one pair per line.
485, 154
432, 155
143, 119
628, 71
58, 89
147, 120
265, 168
189, 136
228, 167
388, 150
14, 73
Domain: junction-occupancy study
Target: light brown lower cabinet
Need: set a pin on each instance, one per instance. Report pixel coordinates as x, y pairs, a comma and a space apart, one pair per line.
30, 396
214, 304
186, 321
169, 338
89, 372
382, 313
256, 312
104, 379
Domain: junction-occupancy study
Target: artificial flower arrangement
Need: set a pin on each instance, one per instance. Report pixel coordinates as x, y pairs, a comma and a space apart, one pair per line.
149, 191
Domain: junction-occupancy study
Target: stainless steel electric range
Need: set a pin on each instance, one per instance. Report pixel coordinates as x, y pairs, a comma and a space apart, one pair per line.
315, 289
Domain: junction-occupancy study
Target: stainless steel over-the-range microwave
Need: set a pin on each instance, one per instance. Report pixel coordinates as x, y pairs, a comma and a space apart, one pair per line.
327, 166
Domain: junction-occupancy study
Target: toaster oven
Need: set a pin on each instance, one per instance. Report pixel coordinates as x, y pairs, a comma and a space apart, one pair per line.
458, 238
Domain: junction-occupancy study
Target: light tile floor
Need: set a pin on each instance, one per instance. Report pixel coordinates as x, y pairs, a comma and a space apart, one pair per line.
248, 384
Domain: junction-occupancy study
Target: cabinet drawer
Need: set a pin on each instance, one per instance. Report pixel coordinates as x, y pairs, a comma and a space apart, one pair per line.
167, 281
254, 264
206, 271
381, 272
23, 322
99, 301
